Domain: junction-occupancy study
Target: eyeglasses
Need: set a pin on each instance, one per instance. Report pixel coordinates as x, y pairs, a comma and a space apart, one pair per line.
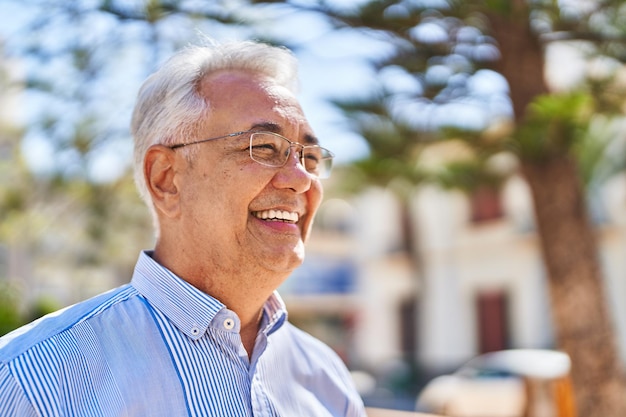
273, 150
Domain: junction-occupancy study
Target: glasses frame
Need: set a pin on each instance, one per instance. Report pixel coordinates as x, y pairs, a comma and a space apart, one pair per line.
291, 145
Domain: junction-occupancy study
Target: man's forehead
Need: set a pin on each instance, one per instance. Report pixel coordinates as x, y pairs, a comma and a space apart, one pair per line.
256, 102
269, 126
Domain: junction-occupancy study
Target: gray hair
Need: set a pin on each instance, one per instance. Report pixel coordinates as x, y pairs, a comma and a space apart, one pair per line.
169, 106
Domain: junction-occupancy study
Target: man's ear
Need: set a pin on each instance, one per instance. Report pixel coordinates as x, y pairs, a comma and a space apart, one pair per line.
160, 172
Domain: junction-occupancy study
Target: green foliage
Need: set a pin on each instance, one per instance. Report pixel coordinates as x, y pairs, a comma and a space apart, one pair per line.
10, 317
600, 156
468, 176
554, 123
13, 312
41, 307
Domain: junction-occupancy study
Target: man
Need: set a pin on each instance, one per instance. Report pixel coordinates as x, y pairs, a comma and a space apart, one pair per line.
231, 170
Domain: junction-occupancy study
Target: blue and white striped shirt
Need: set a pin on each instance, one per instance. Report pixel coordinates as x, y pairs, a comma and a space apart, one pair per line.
160, 347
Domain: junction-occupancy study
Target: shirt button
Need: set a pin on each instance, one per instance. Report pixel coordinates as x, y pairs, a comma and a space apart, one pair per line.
195, 331
229, 324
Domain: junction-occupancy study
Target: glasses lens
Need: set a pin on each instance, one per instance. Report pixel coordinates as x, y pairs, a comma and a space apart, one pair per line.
268, 149
317, 161
273, 150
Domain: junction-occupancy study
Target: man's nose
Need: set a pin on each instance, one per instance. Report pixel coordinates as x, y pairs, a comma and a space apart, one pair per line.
297, 150
294, 174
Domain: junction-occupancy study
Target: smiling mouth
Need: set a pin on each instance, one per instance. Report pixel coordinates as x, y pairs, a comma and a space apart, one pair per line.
277, 216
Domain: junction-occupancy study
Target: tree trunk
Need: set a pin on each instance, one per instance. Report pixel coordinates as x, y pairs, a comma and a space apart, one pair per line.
582, 321
522, 58
583, 324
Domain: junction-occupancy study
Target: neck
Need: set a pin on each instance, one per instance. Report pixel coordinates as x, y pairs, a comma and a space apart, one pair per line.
248, 333
249, 309
234, 289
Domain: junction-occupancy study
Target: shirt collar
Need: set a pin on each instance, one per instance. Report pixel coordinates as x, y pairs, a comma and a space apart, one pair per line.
275, 312
188, 308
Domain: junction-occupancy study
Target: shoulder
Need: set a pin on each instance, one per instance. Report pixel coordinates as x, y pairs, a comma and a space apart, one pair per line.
21, 340
320, 370
313, 351
306, 340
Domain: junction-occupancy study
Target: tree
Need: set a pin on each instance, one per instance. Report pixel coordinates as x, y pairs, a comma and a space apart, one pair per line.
444, 45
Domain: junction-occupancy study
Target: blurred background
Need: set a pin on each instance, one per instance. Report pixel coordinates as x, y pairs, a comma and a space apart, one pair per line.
477, 201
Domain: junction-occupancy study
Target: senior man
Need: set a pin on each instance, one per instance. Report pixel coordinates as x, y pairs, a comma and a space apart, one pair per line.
231, 169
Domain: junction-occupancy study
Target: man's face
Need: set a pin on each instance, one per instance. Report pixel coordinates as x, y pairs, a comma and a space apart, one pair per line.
237, 213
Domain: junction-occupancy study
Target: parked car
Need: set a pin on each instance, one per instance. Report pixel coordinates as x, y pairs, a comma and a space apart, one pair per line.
507, 383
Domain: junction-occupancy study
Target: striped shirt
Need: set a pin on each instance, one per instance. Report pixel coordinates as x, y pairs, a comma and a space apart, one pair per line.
160, 347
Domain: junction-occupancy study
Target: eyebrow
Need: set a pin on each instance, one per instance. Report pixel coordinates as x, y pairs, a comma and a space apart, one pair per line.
276, 128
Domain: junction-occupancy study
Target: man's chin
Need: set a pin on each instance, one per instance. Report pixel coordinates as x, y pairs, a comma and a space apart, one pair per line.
285, 261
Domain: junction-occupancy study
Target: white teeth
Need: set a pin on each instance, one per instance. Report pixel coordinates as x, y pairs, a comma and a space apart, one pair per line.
281, 215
